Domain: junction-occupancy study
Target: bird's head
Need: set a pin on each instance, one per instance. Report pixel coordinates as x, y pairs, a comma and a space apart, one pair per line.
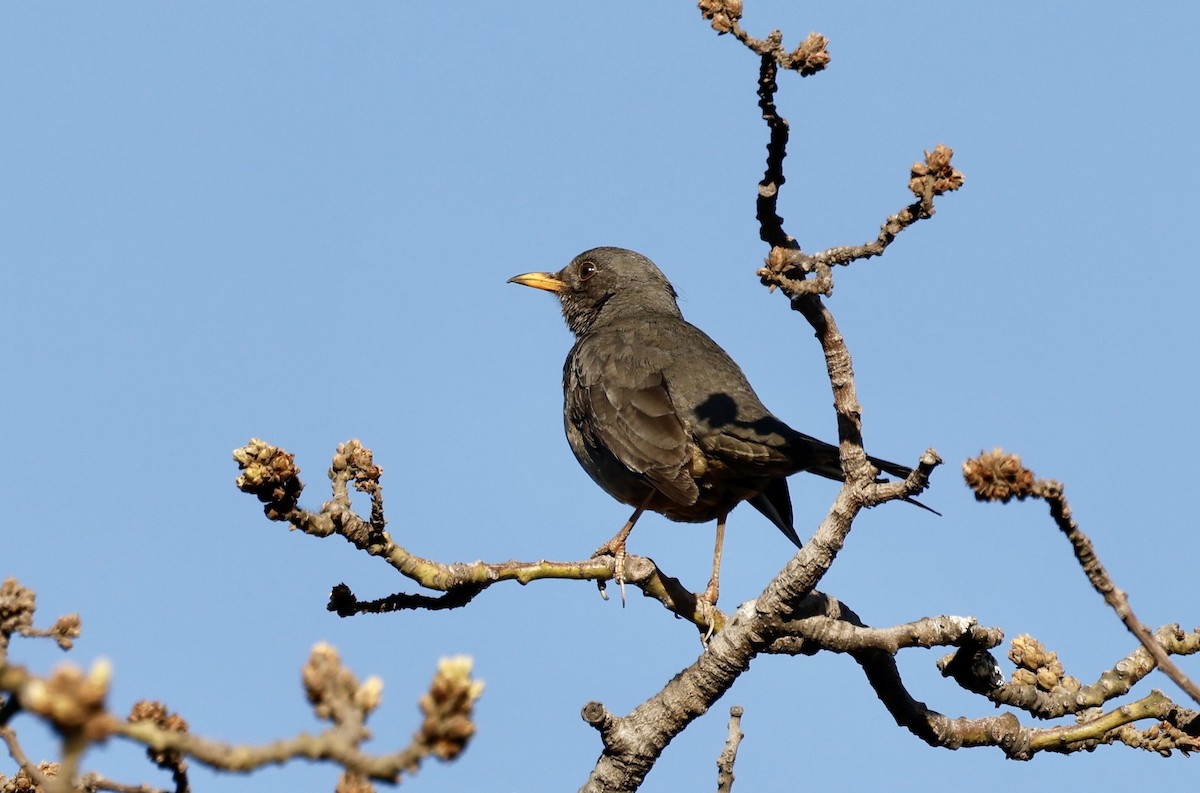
606, 284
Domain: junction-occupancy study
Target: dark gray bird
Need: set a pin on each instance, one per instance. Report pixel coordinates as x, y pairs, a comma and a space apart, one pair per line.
659, 415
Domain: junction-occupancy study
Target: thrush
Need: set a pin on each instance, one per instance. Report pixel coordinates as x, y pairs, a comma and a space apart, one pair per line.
660, 416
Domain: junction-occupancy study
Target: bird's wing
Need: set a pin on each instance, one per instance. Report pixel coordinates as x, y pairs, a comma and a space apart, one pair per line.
736, 446
628, 411
727, 419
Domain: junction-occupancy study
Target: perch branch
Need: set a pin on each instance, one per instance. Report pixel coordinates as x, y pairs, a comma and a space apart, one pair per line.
272, 476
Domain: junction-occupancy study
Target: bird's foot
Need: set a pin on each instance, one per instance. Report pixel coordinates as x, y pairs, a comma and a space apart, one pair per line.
706, 605
616, 549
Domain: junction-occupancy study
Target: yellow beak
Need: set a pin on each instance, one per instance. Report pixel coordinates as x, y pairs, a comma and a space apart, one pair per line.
548, 281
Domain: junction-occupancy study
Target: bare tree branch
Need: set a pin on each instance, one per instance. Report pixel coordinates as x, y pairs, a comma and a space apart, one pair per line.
996, 476
1040, 687
271, 474
790, 617
73, 704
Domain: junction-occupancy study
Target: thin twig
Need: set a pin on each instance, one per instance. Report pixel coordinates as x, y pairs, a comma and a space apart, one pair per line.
1054, 495
728, 755
1001, 476
770, 224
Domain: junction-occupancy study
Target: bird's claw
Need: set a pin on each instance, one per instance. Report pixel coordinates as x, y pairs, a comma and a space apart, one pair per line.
619, 573
616, 549
706, 606
708, 613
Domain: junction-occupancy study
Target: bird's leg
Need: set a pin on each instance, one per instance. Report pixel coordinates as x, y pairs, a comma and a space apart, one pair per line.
708, 601
616, 547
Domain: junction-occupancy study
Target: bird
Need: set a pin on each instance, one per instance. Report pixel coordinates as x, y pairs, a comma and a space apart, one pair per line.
660, 416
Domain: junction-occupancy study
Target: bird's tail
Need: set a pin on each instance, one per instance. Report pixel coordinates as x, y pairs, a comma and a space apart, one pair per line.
776, 504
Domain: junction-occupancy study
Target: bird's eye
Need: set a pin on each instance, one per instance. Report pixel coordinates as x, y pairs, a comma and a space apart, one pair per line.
587, 270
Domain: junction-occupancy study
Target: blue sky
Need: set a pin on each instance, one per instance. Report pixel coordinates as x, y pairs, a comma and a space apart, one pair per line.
295, 221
